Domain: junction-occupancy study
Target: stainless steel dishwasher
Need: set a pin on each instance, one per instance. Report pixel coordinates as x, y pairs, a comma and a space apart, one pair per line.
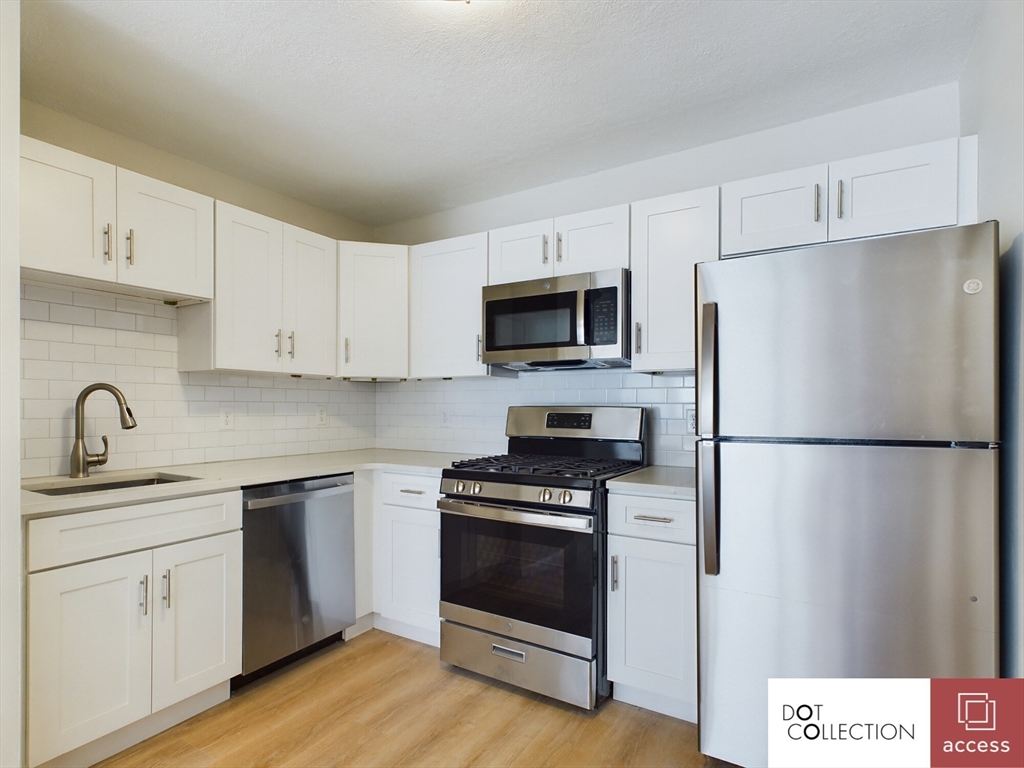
298, 568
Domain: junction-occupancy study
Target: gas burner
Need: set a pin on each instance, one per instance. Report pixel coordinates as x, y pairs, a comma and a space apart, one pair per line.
556, 466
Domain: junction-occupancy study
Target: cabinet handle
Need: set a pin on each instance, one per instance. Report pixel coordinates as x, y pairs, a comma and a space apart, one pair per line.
558, 247
544, 250
167, 587
108, 242
615, 572
638, 337
508, 653
346, 349
291, 342
130, 237
410, 490
839, 201
278, 336
817, 194
144, 603
479, 345
653, 518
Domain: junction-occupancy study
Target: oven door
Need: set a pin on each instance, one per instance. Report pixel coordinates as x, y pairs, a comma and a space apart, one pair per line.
536, 320
521, 573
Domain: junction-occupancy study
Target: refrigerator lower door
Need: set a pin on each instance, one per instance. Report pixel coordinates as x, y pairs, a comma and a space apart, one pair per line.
841, 561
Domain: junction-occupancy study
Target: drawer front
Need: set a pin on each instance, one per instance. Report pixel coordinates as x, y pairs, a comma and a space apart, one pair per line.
420, 491
72, 538
653, 518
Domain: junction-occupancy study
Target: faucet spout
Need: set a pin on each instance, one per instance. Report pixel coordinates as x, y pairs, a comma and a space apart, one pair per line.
81, 459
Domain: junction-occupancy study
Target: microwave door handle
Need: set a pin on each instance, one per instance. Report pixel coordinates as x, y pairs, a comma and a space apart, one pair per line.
581, 313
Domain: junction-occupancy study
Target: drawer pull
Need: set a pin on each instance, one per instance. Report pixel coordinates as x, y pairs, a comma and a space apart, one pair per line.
508, 653
413, 492
653, 518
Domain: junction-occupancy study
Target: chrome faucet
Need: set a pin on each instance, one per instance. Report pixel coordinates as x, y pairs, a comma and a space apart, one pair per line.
81, 459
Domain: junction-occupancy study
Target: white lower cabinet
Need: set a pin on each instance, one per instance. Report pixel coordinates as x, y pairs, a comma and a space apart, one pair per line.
652, 624
407, 567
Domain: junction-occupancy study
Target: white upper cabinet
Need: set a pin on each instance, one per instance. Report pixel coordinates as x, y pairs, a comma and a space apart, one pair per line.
248, 332
670, 234
521, 252
310, 300
373, 310
68, 212
776, 211
197, 616
446, 280
83, 218
592, 241
165, 236
897, 191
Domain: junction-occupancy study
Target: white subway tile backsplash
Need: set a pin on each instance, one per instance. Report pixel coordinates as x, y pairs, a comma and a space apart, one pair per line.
72, 338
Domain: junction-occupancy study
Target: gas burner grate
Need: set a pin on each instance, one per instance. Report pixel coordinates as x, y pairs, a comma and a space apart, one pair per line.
557, 466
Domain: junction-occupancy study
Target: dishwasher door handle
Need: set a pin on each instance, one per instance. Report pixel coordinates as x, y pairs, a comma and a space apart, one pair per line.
296, 498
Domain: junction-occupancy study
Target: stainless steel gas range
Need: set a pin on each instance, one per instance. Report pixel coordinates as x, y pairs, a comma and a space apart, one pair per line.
523, 543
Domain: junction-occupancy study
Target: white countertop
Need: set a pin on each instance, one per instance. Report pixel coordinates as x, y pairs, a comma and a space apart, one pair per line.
658, 481
226, 476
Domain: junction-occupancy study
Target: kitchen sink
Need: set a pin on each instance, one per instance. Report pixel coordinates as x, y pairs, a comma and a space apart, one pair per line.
96, 484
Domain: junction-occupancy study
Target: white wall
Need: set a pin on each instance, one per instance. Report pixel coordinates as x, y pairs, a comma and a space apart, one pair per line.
10, 503
72, 338
992, 105
915, 118
54, 127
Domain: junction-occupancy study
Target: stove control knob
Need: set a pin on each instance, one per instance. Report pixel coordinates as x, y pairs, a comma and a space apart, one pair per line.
545, 495
460, 486
565, 497
477, 488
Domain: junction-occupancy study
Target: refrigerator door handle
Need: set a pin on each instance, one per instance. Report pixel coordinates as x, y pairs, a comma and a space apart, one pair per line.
706, 364
707, 495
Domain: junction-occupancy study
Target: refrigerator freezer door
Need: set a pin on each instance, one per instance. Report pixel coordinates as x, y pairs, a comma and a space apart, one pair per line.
842, 561
891, 339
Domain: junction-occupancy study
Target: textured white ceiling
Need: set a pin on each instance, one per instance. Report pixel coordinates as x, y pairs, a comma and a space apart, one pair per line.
388, 110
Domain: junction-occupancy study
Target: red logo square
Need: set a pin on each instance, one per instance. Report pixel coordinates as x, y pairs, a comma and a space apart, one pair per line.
978, 723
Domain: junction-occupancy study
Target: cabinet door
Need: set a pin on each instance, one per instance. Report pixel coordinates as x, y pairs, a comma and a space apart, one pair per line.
776, 211
652, 617
68, 210
407, 565
446, 281
670, 234
197, 616
896, 191
522, 252
592, 241
89, 640
310, 294
165, 236
373, 310
248, 327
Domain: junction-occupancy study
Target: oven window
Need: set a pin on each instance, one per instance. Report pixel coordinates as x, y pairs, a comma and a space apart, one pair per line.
531, 322
527, 573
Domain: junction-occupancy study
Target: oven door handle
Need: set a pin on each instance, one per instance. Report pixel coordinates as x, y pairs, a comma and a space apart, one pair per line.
562, 520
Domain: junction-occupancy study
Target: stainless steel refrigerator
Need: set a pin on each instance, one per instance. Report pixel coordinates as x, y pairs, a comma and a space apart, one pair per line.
847, 468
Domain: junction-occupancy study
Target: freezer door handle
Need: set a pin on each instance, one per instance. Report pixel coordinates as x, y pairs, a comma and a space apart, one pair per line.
707, 495
706, 363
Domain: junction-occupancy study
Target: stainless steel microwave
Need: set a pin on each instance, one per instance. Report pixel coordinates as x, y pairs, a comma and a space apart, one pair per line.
558, 323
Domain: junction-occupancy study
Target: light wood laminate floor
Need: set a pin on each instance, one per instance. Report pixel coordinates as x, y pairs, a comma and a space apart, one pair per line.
381, 700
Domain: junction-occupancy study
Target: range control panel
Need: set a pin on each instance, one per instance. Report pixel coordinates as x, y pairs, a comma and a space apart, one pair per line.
569, 420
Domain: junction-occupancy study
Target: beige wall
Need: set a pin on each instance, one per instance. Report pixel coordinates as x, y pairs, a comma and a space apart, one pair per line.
992, 105
54, 127
10, 404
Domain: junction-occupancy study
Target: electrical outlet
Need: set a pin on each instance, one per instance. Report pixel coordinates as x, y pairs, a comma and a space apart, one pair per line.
690, 417
445, 416
227, 419
321, 415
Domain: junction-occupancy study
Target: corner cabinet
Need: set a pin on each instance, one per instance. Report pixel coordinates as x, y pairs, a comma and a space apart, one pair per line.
446, 279
373, 310
114, 639
276, 305
669, 236
88, 220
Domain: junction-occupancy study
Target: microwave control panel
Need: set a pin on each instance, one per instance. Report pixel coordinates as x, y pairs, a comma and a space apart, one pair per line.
603, 310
